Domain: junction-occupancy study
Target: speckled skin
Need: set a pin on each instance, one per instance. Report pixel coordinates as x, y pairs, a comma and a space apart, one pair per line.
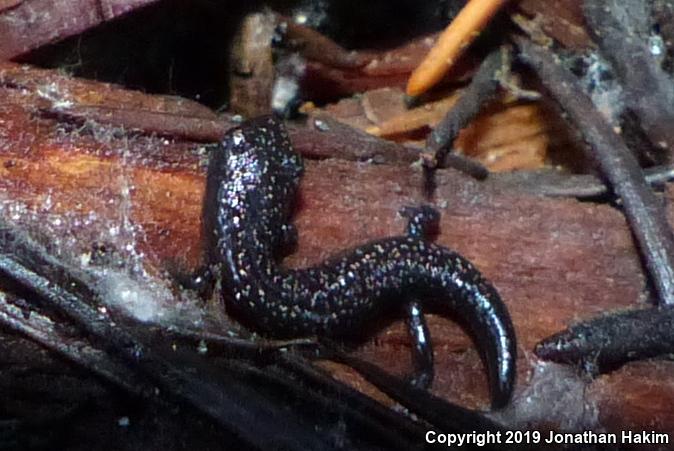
252, 180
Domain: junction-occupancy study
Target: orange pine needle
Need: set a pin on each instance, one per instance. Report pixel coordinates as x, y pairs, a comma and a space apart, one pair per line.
458, 35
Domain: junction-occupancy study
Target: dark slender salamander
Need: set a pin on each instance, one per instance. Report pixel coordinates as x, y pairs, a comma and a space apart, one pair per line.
252, 181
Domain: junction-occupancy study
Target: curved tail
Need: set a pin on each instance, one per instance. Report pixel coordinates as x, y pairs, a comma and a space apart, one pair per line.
479, 306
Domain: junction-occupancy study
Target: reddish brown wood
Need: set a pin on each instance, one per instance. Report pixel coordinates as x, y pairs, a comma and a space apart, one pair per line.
553, 261
7, 4
646, 396
30, 24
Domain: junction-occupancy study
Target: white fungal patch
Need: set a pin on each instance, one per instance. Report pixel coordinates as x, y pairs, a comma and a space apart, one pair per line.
145, 303
148, 300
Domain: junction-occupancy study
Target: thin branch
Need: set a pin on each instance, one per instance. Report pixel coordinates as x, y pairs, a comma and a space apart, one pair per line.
482, 88
553, 183
611, 340
44, 330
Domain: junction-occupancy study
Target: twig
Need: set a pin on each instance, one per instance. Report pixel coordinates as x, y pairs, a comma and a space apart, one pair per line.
465, 27
644, 212
466, 165
552, 183
611, 340
44, 331
317, 379
482, 88
356, 411
318, 47
331, 139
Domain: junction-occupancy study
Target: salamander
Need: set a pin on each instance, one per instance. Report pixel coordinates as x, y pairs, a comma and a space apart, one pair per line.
252, 179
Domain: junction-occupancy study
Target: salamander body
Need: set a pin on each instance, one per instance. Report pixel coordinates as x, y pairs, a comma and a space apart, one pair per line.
253, 176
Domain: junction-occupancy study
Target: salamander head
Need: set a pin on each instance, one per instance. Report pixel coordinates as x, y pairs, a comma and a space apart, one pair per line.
260, 164
253, 179
265, 141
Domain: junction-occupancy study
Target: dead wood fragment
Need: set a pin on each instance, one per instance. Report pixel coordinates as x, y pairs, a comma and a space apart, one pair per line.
552, 183
27, 25
604, 270
388, 68
324, 137
392, 123
506, 136
252, 76
561, 20
608, 341
79, 102
52, 90
317, 47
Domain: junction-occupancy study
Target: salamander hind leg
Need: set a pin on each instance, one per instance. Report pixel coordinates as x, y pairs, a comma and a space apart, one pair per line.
422, 221
422, 351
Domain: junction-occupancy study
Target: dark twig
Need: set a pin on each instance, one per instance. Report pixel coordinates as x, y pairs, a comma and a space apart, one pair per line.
234, 345
466, 165
318, 380
644, 212
553, 183
46, 332
482, 88
659, 175
19, 249
611, 340
179, 126
331, 140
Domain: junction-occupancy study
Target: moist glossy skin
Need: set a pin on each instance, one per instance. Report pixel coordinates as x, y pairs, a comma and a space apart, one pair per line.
252, 180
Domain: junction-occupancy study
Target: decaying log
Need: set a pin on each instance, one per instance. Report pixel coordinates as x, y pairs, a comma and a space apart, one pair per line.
554, 261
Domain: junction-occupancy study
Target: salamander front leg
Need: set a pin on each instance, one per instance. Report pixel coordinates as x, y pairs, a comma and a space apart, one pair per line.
422, 222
